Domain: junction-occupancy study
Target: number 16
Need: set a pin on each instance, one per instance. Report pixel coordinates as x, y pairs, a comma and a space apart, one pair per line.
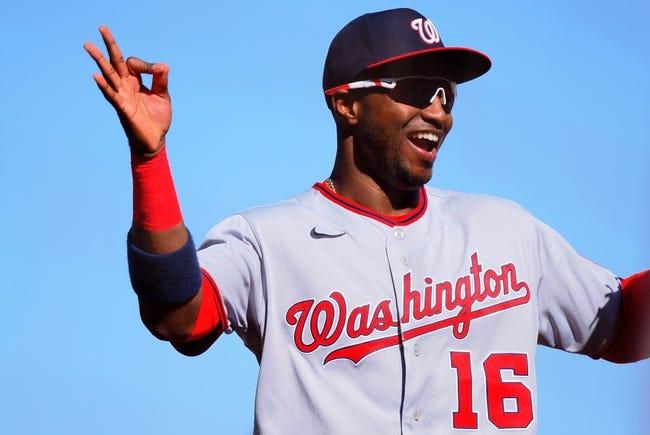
497, 391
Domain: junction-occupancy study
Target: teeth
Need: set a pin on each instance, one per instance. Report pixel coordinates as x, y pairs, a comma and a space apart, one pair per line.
426, 135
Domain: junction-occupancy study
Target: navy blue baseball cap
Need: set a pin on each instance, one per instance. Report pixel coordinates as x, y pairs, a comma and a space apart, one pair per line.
397, 43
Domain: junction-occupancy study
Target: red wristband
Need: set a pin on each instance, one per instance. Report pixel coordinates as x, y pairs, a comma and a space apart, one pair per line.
155, 204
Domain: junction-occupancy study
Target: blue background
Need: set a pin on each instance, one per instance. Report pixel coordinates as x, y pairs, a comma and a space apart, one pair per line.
560, 125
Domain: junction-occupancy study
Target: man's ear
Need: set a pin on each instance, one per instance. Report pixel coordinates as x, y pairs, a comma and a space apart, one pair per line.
345, 107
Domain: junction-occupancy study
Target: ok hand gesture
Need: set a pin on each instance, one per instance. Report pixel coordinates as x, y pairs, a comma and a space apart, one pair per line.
145, 114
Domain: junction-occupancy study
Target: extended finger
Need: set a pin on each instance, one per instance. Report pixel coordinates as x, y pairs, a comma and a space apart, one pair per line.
114, 53
109, 93
104, 65
111, 96
160, 79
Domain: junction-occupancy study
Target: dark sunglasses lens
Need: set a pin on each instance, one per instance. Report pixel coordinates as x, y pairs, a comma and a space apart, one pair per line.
417, 92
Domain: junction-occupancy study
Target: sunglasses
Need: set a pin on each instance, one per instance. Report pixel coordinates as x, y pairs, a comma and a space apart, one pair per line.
418, 92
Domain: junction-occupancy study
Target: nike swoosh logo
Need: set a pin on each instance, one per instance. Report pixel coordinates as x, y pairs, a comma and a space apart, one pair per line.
317, 235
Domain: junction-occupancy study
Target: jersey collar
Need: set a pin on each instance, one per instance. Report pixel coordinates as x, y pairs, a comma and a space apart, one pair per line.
357, 208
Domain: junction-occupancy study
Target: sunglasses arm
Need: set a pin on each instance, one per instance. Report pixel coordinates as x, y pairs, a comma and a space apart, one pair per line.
444, 96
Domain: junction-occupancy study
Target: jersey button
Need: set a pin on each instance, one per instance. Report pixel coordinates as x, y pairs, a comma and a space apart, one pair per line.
399, 233
406, 260
417, 415
416, 350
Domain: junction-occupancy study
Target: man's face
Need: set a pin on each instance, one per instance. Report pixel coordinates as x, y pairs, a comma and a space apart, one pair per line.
397, 143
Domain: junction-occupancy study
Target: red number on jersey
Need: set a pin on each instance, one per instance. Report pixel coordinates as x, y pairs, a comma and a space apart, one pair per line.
498, 391
465, 417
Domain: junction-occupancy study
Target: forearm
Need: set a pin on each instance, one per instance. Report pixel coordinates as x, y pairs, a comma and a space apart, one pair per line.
162, 261
157, 219
160, 242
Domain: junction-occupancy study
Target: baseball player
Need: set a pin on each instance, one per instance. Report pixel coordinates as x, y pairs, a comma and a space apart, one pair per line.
373, 303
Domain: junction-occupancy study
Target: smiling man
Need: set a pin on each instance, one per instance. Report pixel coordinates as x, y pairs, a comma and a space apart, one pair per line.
373, 304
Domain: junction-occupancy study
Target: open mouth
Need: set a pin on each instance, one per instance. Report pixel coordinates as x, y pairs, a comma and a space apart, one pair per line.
425, 140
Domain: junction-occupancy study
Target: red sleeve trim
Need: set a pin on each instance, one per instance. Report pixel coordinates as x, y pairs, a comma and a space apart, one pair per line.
212, 311
633, 340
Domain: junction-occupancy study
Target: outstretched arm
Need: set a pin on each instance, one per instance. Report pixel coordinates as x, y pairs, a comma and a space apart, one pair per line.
633, 340
172, 292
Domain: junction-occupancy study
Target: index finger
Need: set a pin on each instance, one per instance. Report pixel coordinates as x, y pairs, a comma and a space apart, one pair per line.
114, 53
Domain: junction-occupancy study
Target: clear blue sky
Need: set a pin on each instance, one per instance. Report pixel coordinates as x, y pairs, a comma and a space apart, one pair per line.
560, 125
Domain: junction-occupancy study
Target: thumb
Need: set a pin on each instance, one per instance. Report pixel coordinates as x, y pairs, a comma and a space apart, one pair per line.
138, 66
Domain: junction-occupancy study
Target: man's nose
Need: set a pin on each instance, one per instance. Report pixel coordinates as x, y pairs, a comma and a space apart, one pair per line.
435, 112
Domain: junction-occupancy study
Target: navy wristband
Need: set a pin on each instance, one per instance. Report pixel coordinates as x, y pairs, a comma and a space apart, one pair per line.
168, 279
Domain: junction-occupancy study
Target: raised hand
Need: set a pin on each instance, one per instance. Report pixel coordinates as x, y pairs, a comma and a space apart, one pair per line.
145, 114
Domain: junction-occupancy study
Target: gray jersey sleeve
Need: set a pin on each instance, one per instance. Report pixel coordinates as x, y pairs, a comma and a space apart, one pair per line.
579, 301
230, 253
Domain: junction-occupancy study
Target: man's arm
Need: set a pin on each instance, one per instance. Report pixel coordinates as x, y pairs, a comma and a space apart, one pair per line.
166, 321
159, 244
633, 340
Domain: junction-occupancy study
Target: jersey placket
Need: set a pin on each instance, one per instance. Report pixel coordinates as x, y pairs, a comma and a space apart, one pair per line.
401, 256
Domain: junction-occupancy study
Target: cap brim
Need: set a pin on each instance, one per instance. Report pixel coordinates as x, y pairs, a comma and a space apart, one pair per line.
457, 64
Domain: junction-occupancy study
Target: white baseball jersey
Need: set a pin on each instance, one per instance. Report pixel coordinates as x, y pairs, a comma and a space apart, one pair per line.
422, 323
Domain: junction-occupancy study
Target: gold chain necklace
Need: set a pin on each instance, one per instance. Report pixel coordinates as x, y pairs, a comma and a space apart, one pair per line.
330, 184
